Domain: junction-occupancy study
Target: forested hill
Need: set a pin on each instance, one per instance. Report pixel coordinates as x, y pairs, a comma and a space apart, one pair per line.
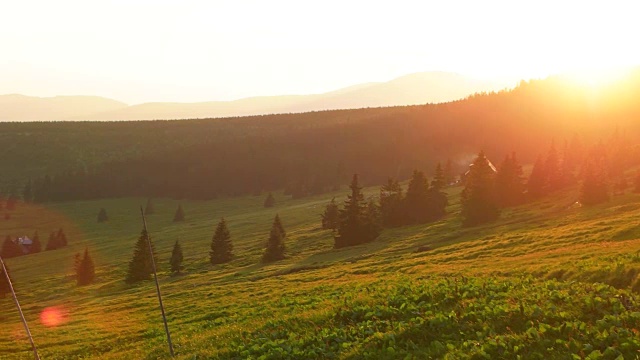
309, 152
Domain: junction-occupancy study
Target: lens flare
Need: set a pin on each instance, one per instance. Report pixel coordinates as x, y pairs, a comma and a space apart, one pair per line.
53, 316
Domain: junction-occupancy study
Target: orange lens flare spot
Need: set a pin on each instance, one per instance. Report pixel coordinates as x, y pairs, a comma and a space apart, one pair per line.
53, 316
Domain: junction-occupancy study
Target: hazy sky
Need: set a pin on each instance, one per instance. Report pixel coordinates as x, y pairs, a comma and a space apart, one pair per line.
137, 51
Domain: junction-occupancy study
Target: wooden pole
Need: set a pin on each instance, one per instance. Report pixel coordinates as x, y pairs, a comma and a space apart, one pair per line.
155, 276
24, 321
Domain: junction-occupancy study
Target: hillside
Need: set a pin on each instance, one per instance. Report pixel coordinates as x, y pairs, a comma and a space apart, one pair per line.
29, 108
546, 278
311, 152
419, 88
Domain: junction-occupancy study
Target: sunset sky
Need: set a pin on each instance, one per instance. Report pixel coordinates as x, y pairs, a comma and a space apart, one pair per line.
138, 51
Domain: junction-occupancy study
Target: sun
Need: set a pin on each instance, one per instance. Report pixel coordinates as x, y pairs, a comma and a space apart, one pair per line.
598, 77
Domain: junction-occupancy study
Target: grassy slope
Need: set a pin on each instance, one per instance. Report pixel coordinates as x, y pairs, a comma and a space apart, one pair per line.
320, 301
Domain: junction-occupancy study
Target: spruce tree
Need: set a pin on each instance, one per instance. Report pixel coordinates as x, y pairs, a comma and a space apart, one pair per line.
149, 209
10, 248
221, 246
330, 217
4, 284
552, 170
536, 184
278, 224
509, 182
102, 215
275, 245
140, 266
176, 258
61, 239
52, 243
27, 193
417, 199
436, 197
77, 259
270, 201
478, 199
354, 227
36, 245
179, 215
392, 204
86, 270
594, 188
449, 177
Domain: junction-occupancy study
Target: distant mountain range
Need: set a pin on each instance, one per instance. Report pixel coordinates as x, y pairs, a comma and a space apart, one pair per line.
418, 88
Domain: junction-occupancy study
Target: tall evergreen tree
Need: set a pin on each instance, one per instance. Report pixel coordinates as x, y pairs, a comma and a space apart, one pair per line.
436, 197
417, 199
27, 193
176, 258
536, 184
179, 215
10, 248
86, 269
149, 209
102, 215
270, 201
392, 204
331, 215
275, 245
140, 266
354, 228
478, 198
594, 187
61, 239
4, 284
552, 170
52, 243
449, 176
221, 246
36, 245
509, 182
278, 224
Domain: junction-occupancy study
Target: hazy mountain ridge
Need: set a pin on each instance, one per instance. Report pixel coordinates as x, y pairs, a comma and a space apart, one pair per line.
418, 88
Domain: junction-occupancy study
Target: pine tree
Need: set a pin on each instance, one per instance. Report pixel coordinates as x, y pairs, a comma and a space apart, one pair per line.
52, 242
536, 185
373, 219
36, 245
179, 215
552, 170
330, 217
149, 209
417, 199
509, 182
270, 201
449, 177
10, 248
176, 258
140, 266
61, 239
278, 224
102, 215
4, 284
221, 245
478, 199
275, 245
354, 227
594, 188
86, 270
436, 198
77, 259
27, 193
392, 204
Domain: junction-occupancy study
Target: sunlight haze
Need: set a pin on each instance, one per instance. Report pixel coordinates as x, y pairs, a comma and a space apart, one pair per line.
189, 51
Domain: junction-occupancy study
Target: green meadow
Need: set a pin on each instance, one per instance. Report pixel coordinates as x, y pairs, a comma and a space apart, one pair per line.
547, 280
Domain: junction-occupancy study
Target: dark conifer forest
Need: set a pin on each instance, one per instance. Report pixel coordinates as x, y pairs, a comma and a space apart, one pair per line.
310, 153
